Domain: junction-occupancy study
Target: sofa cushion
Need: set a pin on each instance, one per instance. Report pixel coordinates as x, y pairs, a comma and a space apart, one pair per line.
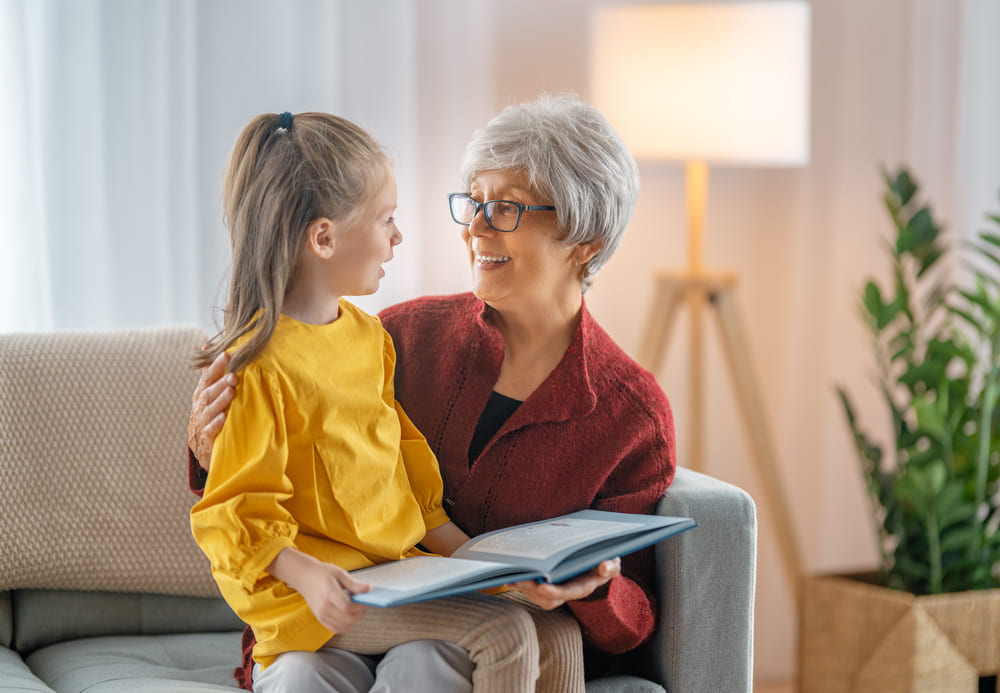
623, 684
44, 617
92, 466
195, 663
6, 620
16, 676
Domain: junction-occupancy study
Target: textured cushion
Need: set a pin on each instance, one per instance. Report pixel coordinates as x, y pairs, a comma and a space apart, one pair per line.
92, 439
16, 676
45, 617
149, 663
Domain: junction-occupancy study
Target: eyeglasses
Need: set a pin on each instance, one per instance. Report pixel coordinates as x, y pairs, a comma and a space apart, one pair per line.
501, 215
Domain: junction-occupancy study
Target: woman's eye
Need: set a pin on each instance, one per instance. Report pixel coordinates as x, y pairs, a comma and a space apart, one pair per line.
505, 208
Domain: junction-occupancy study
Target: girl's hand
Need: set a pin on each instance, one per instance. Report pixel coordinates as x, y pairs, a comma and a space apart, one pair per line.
326, 588
445, 539
548, 596
209, 403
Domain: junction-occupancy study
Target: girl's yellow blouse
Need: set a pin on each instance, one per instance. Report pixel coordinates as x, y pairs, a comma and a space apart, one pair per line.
317, 454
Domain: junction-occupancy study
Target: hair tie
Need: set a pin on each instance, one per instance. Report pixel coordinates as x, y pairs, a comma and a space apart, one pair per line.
285, 121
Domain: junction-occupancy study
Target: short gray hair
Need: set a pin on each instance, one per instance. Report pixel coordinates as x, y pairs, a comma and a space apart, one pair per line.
572, 155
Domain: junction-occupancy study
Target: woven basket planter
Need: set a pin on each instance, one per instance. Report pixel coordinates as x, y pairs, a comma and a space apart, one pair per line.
858, 637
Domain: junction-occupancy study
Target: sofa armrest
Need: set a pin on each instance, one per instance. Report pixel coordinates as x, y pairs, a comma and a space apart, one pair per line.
706, 580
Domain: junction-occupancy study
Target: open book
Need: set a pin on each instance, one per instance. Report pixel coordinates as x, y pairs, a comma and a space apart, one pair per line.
551, 551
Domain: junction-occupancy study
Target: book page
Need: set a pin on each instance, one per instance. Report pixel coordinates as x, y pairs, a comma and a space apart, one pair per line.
540, 541
416, 573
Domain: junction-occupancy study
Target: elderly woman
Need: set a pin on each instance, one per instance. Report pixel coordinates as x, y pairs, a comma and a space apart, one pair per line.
531, 408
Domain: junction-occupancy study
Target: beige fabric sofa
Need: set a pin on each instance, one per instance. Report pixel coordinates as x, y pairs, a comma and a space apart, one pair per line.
103, 590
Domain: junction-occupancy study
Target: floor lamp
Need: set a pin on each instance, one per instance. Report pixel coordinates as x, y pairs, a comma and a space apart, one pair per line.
720, 83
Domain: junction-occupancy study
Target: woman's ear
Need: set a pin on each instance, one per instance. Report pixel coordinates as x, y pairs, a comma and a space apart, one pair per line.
583, 252
321, 237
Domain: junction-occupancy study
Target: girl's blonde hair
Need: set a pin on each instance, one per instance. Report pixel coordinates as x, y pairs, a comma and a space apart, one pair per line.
284, 172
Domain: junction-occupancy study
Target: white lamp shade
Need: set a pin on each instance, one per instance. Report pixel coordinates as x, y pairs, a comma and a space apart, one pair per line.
720, 82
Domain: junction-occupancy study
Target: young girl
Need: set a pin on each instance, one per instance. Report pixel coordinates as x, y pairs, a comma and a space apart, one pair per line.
317, 470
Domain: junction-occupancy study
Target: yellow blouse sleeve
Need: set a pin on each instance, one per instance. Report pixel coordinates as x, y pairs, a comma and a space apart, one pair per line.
421, 464
240, 523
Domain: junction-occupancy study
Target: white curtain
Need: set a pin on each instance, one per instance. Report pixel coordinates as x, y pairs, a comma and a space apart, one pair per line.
119, 116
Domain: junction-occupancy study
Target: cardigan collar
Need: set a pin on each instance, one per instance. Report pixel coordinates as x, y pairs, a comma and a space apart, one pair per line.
568, 390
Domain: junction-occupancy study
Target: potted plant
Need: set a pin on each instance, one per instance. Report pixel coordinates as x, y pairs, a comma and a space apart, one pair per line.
929, 619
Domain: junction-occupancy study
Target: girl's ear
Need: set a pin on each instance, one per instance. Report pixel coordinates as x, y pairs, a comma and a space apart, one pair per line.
321, 237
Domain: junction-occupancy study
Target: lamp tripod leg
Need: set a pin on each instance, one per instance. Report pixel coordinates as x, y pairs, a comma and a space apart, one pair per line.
762, 445
695, 459
667, 296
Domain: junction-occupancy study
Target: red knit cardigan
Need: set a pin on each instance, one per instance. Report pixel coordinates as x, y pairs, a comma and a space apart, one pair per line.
597, 433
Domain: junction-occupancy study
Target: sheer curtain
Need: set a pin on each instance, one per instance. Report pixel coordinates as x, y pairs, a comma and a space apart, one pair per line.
119, 118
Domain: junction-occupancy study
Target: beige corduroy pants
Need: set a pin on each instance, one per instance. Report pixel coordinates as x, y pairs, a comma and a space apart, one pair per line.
514, 646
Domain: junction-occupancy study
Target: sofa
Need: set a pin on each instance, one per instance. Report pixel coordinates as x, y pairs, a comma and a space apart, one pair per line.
103, 590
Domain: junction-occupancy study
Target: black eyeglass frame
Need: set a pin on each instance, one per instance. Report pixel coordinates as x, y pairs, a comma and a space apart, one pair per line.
521, 209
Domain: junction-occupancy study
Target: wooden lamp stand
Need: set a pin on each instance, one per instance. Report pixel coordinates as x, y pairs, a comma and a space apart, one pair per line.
698, 289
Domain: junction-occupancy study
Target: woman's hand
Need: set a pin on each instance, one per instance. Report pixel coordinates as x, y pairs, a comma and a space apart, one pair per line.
548, 596
326, 588
209, 403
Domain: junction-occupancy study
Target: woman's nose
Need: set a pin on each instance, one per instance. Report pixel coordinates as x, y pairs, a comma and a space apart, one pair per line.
479, 226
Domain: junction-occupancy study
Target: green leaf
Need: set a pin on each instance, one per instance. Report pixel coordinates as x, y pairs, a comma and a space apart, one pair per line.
903, 345
964, 315
890, 313
942, 351
923, 458
927, 372
929, 260
911, 568
872, 302
870, 455
903, 187
919, 235
980, 299
952, 512
929, 417
937, 476
959, 539
985, 252
919, 485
